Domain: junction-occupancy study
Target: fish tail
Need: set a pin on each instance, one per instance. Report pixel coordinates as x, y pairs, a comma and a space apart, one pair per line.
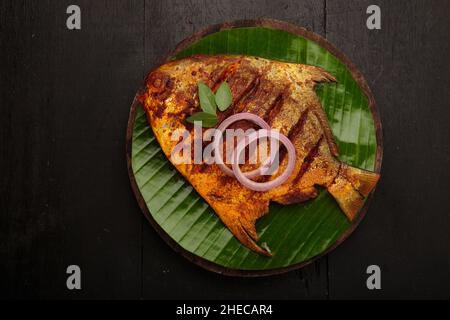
246, 236
350, 188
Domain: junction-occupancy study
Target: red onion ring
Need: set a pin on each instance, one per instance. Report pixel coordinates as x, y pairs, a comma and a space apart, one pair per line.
218, 137
264, 186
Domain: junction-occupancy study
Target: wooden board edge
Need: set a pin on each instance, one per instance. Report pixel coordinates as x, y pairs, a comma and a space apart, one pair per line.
291, 28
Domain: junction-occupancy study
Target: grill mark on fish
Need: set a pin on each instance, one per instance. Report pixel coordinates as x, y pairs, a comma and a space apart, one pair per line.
236, 85
297, 129
215, 76
308, 160
264, 99
237, 105
274, 108
225, 73
247, 96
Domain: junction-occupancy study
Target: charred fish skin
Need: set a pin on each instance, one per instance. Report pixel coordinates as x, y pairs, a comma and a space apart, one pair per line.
281, 93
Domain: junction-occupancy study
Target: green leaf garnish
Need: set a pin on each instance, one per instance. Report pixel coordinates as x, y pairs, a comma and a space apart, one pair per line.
223, 96
208, 119
207, 99
209, 102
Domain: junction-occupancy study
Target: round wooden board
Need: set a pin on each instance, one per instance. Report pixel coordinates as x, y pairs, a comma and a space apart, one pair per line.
273, 24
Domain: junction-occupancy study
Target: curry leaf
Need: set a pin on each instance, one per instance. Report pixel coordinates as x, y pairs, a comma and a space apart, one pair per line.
207, 120
207, 99
223, 96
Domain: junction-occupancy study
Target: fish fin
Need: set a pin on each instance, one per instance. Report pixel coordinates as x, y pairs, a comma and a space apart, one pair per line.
323, 120
250, 228
244, 233
362, 180
350, 187
243, 236
320, 75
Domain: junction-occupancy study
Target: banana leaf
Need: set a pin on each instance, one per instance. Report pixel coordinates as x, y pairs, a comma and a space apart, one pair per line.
294, 233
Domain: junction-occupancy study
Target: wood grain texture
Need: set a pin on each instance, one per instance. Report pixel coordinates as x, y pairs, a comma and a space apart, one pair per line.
66, 198
64, 99
406, 230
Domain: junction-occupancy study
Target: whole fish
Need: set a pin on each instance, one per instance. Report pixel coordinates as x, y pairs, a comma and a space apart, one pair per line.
283, 95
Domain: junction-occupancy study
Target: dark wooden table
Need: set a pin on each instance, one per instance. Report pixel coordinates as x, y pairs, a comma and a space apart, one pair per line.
65, 194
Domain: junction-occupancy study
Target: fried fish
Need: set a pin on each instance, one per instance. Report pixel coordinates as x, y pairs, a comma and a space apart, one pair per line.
283, 95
